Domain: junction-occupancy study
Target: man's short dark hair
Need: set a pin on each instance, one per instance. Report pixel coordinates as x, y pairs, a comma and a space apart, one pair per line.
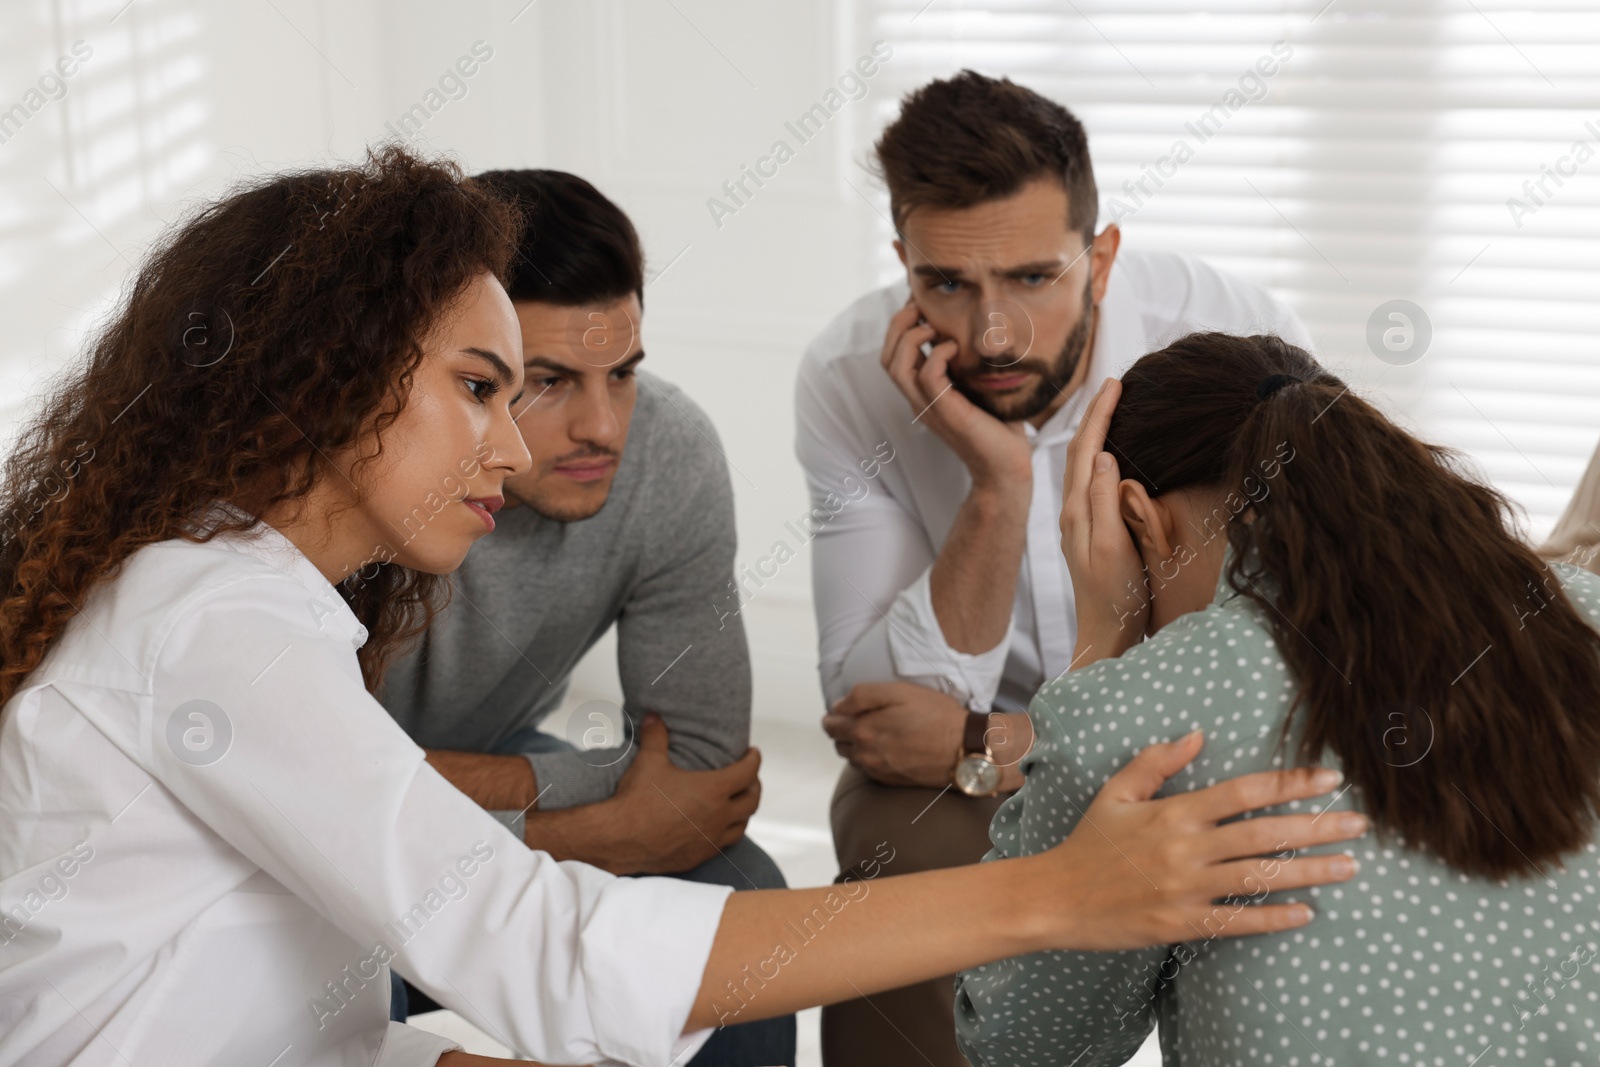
969, 139
577, 247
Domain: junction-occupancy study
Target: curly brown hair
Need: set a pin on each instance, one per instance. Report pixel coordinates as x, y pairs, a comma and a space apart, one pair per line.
276, 327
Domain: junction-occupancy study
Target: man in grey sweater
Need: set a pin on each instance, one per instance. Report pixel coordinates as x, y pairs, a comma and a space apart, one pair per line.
626, 518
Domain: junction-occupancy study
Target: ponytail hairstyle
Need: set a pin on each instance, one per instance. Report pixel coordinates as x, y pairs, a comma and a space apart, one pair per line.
1400, 600
274, 328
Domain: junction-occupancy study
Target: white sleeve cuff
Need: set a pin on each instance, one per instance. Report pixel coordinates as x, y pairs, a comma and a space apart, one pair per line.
645, 984
407, 1046
920, 652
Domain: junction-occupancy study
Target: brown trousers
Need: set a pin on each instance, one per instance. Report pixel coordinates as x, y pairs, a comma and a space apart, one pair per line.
913, 1026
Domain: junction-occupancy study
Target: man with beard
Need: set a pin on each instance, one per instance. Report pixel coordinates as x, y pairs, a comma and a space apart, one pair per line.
943, 599
626, 518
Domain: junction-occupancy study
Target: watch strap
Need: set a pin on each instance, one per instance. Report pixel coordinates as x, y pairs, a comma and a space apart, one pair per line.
974, 738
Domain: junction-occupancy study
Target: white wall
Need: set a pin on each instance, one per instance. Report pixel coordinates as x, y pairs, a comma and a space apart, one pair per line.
658, 116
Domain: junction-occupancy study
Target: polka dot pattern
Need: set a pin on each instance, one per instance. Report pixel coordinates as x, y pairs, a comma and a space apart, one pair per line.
1411, 962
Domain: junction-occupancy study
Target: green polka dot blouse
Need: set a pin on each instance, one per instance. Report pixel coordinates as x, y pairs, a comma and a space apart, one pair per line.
1411, 962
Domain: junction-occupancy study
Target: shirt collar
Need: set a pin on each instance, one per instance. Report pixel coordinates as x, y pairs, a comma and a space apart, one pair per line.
267, 543
1264, 583
1224, 591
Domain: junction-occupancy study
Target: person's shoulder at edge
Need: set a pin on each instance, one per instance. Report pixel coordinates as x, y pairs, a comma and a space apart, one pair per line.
137, 609
1178, 293
1582, 588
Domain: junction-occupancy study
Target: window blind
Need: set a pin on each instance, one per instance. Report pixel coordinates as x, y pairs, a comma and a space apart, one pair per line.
103, 120
1346, 156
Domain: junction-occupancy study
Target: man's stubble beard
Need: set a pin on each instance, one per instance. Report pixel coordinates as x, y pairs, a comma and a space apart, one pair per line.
1053, 378
557, 511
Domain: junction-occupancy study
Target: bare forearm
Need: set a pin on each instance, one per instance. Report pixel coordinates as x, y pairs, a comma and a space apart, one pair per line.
777, 951
499, 783
974, 580
508, 783
586, 833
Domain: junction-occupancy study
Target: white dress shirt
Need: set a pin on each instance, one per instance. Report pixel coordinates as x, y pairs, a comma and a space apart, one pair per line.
872, 559
213, 839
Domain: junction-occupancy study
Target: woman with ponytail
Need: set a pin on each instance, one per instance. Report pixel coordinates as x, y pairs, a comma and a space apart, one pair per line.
1260, 554
215, 844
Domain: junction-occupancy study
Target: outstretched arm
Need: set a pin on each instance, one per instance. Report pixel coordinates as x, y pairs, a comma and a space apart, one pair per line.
1137, 872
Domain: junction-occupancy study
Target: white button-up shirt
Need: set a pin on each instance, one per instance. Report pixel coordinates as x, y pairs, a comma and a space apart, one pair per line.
214, 841
874, 553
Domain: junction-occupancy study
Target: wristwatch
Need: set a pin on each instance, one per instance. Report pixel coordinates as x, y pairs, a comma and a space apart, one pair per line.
976, 774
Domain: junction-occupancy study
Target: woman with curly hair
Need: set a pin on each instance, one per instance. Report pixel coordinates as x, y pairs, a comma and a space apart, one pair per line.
215, 843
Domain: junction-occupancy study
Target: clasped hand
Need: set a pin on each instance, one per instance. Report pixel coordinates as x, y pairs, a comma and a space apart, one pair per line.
675, 819
901, 733
898, 733
661, 820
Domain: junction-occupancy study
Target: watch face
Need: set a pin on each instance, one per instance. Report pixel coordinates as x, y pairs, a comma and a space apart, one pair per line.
977, 777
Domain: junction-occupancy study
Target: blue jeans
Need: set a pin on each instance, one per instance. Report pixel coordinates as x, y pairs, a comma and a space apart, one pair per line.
743, 865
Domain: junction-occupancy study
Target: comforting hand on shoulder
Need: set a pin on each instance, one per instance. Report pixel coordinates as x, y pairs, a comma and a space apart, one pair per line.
1161, 865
